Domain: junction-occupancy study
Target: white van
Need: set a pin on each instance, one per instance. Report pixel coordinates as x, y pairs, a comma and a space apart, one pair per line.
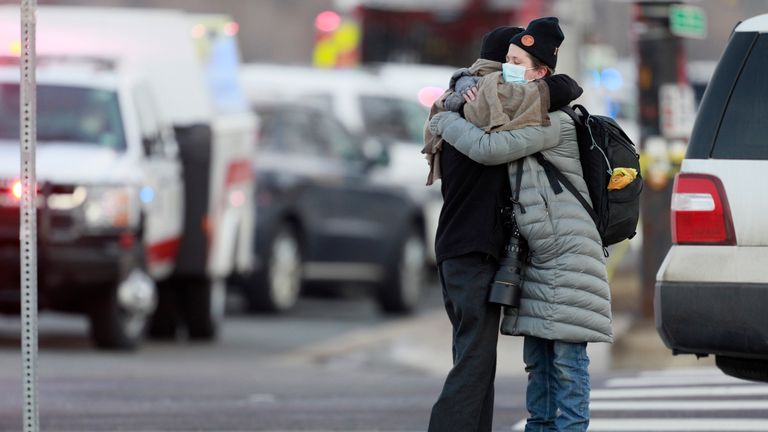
145, 179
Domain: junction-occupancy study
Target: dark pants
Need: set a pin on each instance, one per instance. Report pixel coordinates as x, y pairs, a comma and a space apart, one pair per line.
466, 402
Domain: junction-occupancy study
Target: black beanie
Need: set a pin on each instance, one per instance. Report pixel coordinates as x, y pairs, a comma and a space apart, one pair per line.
541, 39
496, 43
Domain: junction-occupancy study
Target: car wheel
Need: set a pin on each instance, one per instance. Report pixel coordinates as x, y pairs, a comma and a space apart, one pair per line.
204, 303
277, 287
119, 320
401, 292
746, 369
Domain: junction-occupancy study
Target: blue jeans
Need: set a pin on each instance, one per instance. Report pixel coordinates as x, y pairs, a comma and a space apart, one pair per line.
558, 385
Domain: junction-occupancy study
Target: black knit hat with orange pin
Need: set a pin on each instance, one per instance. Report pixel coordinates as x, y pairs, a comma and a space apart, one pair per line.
541, 39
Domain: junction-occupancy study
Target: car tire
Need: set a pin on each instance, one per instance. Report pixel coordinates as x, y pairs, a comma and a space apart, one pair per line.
401, 291
277, 286
746, 369
203, 305
118, 321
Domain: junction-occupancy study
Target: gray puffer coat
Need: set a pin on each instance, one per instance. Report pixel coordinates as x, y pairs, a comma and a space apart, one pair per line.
565, 294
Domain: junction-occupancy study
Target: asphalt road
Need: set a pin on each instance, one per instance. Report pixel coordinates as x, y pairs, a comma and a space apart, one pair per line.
332, 365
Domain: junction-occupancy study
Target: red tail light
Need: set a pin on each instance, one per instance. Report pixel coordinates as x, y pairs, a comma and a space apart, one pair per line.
700, 211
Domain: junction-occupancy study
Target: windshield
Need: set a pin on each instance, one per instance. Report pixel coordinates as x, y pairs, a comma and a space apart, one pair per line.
70, 114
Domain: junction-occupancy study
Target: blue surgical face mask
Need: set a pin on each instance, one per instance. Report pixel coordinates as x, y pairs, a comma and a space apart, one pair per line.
513, 73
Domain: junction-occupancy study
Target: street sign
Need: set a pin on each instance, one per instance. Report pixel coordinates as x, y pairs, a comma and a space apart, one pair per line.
677, 110
688, 21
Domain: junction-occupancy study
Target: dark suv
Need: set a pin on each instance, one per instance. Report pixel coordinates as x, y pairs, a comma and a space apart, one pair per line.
321, 218
712, 289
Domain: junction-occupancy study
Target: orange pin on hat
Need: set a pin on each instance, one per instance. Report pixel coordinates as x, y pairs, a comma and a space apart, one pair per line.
527, 40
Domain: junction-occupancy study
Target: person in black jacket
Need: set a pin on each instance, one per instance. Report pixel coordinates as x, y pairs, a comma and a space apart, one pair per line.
471, 235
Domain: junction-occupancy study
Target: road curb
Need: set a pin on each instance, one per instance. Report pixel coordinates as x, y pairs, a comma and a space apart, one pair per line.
423, 344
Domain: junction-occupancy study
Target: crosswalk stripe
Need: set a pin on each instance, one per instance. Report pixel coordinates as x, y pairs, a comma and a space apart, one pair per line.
701, 371
675, 405
644, 393
671, 425
672, 381
673, 399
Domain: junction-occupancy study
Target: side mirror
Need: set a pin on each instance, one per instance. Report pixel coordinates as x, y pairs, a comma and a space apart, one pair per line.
148, 144
375, 152
153, 144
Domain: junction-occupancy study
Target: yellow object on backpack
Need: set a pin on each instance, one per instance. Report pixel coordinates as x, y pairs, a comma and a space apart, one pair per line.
621, 178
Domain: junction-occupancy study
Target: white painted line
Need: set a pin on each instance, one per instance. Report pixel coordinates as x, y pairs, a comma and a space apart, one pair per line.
677, 405
702, 371
672, 425
262, 398
642, 393
674, 381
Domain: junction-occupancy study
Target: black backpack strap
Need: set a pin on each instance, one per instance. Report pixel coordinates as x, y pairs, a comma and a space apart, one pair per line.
551, 173
555, 176
518, 182
582, 109
572, 114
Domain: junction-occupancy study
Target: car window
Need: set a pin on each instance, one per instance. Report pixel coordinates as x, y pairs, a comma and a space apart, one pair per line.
323, 101
384, 118
415, 115
716, 96
269, 138
341, 143
71, 114
291, 132
744, 129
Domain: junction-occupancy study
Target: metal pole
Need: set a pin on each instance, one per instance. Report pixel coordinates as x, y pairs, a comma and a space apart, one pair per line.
28, 225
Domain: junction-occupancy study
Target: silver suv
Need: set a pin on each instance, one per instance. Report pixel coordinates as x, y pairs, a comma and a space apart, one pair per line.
712, 288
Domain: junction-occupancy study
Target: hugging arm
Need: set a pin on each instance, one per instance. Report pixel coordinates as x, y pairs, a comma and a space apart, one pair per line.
494, 148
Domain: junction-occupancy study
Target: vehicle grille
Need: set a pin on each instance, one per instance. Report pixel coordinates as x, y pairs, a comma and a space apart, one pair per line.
52, 225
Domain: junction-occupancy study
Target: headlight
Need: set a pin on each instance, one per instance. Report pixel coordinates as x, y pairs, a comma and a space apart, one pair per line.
111, 207
67, 201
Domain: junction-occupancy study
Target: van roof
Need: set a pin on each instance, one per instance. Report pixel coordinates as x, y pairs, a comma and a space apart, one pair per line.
265, 81
67, 75
757, 23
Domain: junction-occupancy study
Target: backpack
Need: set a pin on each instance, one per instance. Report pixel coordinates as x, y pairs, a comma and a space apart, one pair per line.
603, 146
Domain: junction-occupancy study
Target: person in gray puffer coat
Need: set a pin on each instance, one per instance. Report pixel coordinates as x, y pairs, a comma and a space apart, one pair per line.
565, 301
565, 293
